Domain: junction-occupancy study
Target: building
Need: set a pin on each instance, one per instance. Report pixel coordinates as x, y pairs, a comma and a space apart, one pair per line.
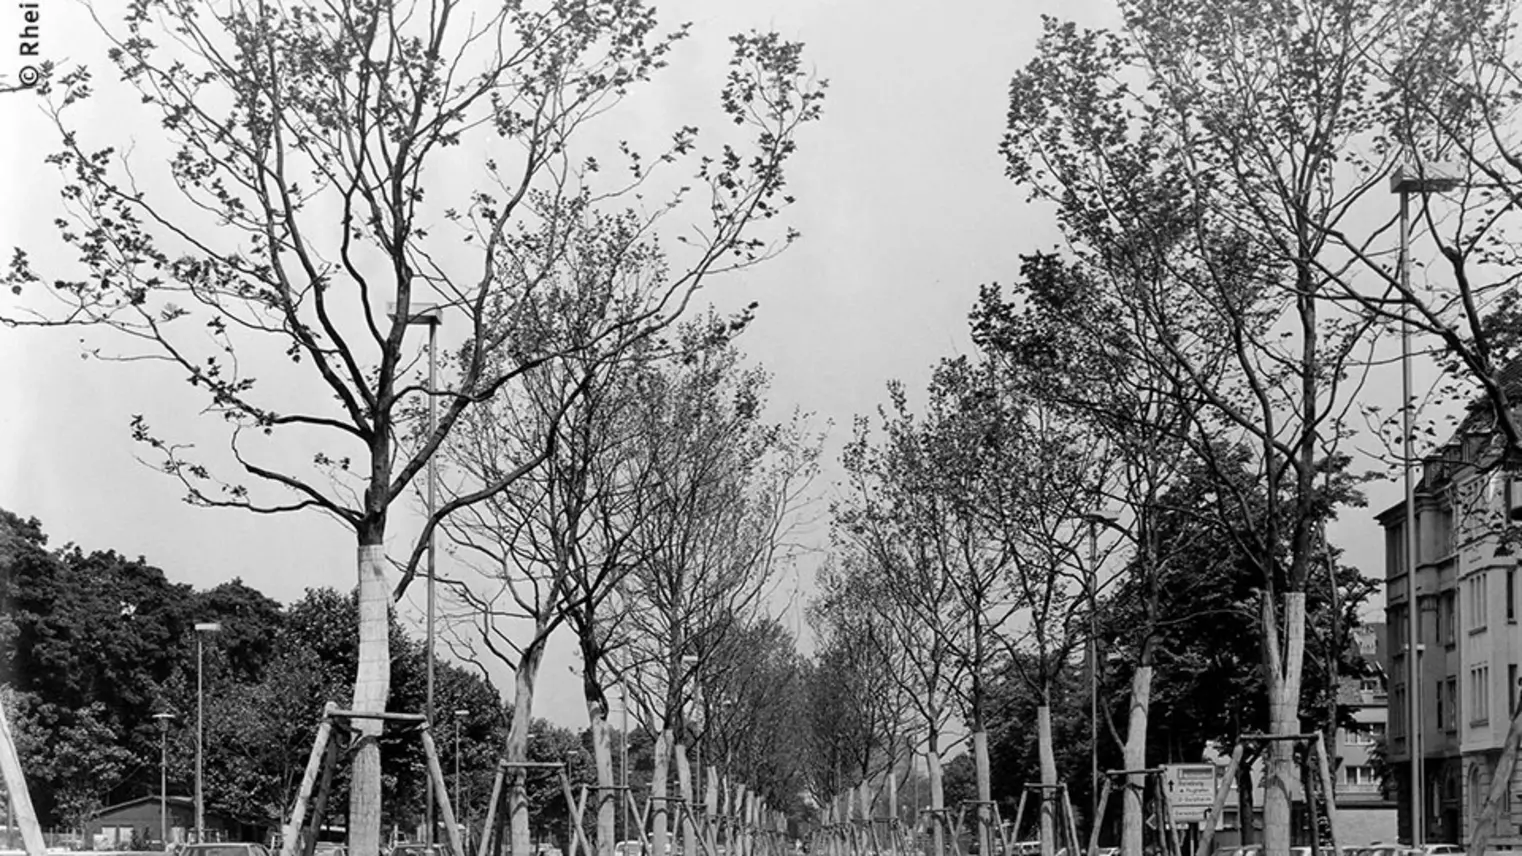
136, 824
1366, 812
1468, 641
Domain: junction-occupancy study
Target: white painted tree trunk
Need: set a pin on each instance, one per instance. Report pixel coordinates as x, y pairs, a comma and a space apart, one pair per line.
659, 816
519, 839
1048, 777
684, 781
372, 686
1135, 755
602, 757
1283, 717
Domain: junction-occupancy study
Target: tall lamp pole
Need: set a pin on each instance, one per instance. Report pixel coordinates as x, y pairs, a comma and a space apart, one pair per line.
163, 720
623, 693
1424, 180
428, 314
202, 628
459, 715
1095, 519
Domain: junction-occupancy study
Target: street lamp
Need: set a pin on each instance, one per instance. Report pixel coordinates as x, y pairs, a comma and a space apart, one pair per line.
430, 315
623, 693
1427, 178
163, 720
202, 628
459, 715
1094, 519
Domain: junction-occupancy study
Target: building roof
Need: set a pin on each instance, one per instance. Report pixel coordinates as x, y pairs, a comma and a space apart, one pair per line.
185, 802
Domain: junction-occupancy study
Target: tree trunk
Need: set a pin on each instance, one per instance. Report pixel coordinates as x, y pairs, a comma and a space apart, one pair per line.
985, 791
517, 746
1245, 805
602, 756
684, 783
658, 814
372, 686
1283, 717
1135, 755
1048, 775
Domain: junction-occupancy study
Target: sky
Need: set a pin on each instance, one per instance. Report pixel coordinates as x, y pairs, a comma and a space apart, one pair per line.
904, 212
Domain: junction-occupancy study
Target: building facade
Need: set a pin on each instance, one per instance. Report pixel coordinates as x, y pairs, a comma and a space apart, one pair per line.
1366, 811
1468, 641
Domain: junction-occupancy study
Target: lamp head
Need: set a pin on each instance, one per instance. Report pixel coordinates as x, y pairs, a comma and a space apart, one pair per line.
1434, 177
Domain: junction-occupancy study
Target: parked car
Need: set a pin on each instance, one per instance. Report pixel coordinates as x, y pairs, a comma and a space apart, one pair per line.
418, 848
330, 848
224, 848
1442, 850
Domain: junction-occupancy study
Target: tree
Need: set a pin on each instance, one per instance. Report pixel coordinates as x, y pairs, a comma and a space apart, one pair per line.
1074, 353
1216, 231
318, 140
715, 526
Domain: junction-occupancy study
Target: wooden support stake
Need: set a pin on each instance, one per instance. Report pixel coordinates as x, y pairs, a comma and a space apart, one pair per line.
491, 808
441, 789
1207, 831
1072, 824
320, 808
578, 835
21, 799
1331, 795
1171, 840
1020, 812
291, 834
1104, 801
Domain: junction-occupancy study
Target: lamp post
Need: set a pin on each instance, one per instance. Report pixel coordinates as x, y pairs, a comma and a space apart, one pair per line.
623, 693
163, 720
428, 314
202, 628
459, 715
1094, 519
1426, 179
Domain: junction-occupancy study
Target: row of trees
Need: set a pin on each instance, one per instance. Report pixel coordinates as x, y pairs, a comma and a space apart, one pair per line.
1194, 364
95, 645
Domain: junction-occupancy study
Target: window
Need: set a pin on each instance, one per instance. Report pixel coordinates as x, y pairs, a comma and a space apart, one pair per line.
1474, 602
1395, 551
1447, 618
1357, 737
1442, 707
1451, 692
1479, 695
1511, 594
1444, 533
1398, 711
1359, 774
1511, 687
1397, 628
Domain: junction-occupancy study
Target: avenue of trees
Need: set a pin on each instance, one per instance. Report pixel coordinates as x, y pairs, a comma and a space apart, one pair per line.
95, 645
1125, 483
1182, 381
325, 178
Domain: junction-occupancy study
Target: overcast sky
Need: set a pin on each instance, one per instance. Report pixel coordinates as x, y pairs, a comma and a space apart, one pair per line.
903, 207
